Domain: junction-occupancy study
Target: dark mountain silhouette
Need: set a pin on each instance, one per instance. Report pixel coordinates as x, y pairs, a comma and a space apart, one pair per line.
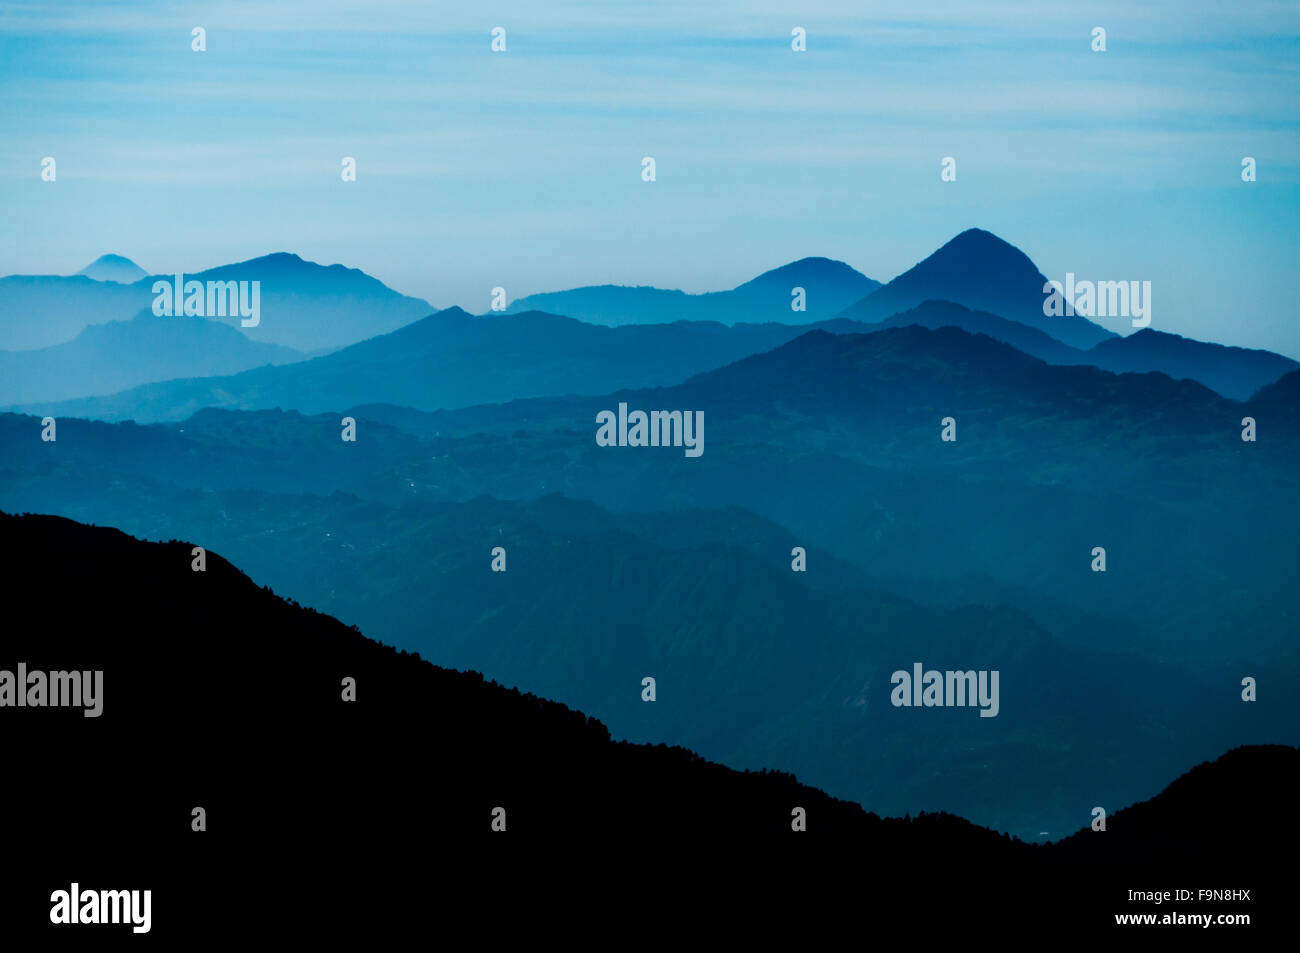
304, 305
1234, 372
453, 359
105, 358
231, 699
1280, 401
981, 271
228, 698
493, 741
830, 286
544, 626
114, 268
1159, 827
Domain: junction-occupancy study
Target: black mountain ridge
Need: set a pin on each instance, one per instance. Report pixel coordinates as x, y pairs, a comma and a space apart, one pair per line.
220, 695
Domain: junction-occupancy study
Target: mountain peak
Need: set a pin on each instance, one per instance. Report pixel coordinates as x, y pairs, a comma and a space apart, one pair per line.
811, 265
979, 235
112, 267
983, 272
828, 271
979, 246
277, 261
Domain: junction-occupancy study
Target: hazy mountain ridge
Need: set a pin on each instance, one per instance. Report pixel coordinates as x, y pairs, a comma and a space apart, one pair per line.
829, 287
1233, 372
535, 354
880, 397
117, 355
454, 359
304, 305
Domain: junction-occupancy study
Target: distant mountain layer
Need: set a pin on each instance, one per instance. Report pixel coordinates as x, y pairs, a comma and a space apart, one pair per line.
881, 396
828, 287
981, 271
1234, 372
1048, 462
105, 358
976, 282
769, 669
114, 268
39, 311
302, 305
453, 359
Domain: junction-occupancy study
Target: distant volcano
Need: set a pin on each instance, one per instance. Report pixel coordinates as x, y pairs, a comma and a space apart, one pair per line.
114, 268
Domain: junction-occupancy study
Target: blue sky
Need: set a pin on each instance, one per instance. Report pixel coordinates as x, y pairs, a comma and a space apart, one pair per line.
522, 168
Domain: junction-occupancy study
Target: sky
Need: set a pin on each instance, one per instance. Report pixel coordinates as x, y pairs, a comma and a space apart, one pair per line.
522, 168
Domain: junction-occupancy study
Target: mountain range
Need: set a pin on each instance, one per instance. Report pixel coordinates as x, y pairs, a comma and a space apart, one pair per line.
1235, 372
116, 355
829, 287
1071, 458
975, 552
1049, 462
450, 359
304, 306
454, 359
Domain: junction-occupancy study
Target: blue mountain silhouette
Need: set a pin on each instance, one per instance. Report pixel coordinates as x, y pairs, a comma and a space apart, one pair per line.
829, 287
114, 268
981, 271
